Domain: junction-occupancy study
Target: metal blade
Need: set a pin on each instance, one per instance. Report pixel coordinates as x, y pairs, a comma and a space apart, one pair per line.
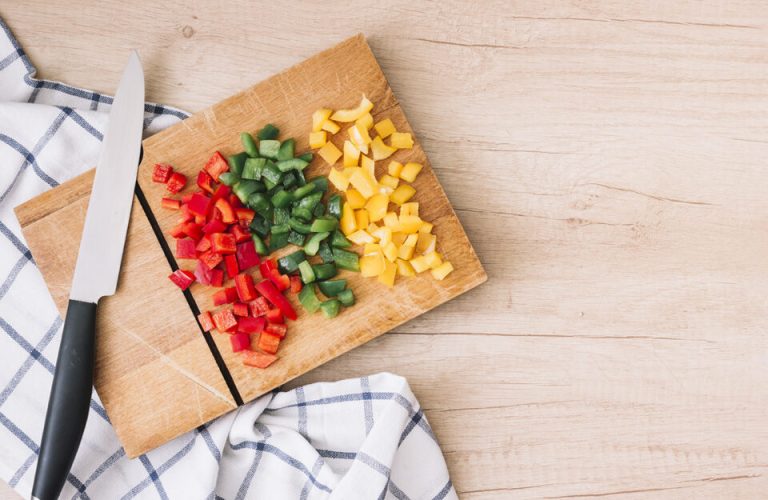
109, 208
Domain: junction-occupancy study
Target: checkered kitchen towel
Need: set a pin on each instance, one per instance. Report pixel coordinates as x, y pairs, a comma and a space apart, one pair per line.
354, 439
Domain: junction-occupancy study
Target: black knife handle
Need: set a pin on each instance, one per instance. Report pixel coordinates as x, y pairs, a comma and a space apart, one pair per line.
69, 402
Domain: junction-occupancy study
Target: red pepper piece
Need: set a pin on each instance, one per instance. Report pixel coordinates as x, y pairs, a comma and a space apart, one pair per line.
185, 249
276, 329
210, 258
296, 284
268, 290
214, 226
223, 243
265, 267
202, 274
178, 231
186, 215
245, 215
245, 288
186, 197
240, 342
170, 203
217, 277
225, 296
198, 204
240, 233
222, 192
257, 359
230, 264
235, 202
226, 210
259, 307
275, 316
216, 166
205, 321
176, 183
203, 245
251, 325
193, 230
205, 181
281, 281
269, 343
224, 319
246, 255
240, 309
161, 173
181, 278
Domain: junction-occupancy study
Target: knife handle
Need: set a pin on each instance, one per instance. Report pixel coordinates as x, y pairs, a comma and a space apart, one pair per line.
69, 402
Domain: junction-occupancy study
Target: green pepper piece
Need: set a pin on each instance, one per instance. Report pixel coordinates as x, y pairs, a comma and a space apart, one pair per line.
302, 213
330, 308
299, 226
260, 226
306, 272
277, 241
279, 229
308, 299
281, 199
339, 240
229, 178
325, 252
296, 238
324, 271
268, 132
249, 144
253, 168
286, 150
300, 179
258, 243
313, 245
292, 164
334, 206
269, 184
303, 191
307, 157
346, 297
270, 173
236, 162
319, 210
346, 260
321, 183
289, 179
280, 216
324, 225
260, 203
269, 148
245, 188
332, 288
310, 201
290, 262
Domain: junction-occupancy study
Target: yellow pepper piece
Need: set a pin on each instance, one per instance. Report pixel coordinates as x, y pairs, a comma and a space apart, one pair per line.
371, 265
363, 181
331, 127
372, 228
399, 238
410, 171
317, 139
426, 227
371, 249
403, 193
405, 252
441, 271
383, 234
359, 134
411, 208
387, 276
366, 121
419, 264
361, 217
426, 243
351, 154
368, 165
338, 179
390, 251
385, 128
361, 237
389, 181
401, 140
347, 223
350, 115
391, 221
381, 150
319, 117
394, 168
329, 153
433, 259
377, 207
404, 268
411, 240
354, 199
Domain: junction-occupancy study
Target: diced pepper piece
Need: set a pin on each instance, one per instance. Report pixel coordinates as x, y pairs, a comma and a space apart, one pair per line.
369, 165
275, 316
359, 136
268, 132
216, 166
394, 169
319, 117
181, 278
441, 271
371, 265
334, 206
390, 251
419, 264
224, 319
258, 243
246, 255
354, 199
426, 243
361, 218
324, 271
365, 121
170, 203
205, 181
330, 153
277, 329
313, 245
226, 210
240, 309
426, 227
269, 343
433, 259
230, 264
244, 286
268, 290
351, 154
251, 325
308, 299
268, 148
240, 342
332, 288
176, 182
346, 260
318, 139
249, 145
245, 214
324, 224
210, 258
240, 233
387, 276
405, 252
361, 237
411, 240
307, 274
350, 115
410, 208
186, 248
338, 179
214, 226
385, 128
202, 273
380, 150
404, 268
330, 308
391, 221
161, 173
409, 223
217, 277
402, 194
410, 171
257, 359
401, 140
362, 180
225, 296
331, 127
377, 207
236, 164
383, 234
371, 249
223, 243
339, 241
296, 284
389, 181
198, 204
348, 223
206, 323
259, 307
347, 297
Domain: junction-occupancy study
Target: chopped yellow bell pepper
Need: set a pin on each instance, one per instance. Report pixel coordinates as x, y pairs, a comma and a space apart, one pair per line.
317, 139
426, 227
377, 207
389, 181
381, 150
354, 199
410, 208
410, 171
359, 134
329, 153
404, 268
405, 252
390, 251
366, 121
409, 223
399, 238
426, 243
363, 181
371, 265
385, 128
411, 240
371, 249
401, 140
433, 259
350, 115
372, 228
387, 276
391, 221
383, 234
419, 264
368, 165
347, 223
319, 117
360, 237
403, 193
331, 127
441, 271
361, 217
394, 168
338, 179
351, 154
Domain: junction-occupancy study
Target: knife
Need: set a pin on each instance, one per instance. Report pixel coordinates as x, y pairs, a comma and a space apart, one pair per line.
96, 272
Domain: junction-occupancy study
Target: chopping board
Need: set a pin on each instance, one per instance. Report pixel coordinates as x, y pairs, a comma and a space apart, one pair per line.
157, 373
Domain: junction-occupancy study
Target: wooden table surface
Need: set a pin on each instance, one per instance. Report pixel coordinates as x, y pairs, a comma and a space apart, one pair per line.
608, 162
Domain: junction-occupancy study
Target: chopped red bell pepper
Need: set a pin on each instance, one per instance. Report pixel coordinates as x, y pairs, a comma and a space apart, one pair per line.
225, 296
193, 230
205, 181
240, 233
177, 231
222, 192
259, 307
230, 264
210, 258
205, 321
217, 277
186, 197
214, 226
223, 243
245, 288
186, 215
185, 249
235, 202
182, 279
245, 214
269, 343
170, 203
257, 359
203, 245
240, 309
275, 316
281, 281
265, 267
198, 204
276, 329
202, 274
226, 210
268, 290
240, 342
246, 255
176, 183
251, 325
216, 166
296, 284
161, 173
224, 319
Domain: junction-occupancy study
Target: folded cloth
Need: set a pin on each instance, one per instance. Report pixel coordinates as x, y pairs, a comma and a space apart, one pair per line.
357, 439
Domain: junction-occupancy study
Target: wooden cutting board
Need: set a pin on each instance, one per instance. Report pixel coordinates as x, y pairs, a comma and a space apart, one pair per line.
157, 374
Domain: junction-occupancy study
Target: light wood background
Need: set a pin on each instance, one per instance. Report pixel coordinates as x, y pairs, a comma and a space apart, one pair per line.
607, 161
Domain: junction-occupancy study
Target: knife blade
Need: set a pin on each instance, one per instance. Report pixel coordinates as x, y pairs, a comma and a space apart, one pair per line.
96, 274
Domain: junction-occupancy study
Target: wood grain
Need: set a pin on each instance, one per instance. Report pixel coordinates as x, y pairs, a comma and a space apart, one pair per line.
607, 161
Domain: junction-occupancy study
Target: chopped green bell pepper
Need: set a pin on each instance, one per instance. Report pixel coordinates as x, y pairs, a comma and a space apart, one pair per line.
332, 288
268, 132
324, 225
306, 271
313, 245
347, 297
236, 162
308, 299
346, 260
330, 308
269, 148
249, 144
290, 262
286, 149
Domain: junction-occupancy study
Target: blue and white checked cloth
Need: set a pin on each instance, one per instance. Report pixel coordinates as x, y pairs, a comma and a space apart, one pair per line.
354, 439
